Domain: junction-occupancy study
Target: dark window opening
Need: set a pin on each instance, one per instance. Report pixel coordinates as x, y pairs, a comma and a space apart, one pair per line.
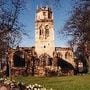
40, 32
44, 46
44, 13
49, 15
50, 61
18, 60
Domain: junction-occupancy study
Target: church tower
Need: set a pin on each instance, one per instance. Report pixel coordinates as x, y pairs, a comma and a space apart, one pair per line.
44, 31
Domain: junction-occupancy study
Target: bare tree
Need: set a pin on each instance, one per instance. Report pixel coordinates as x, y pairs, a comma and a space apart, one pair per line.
10, 28
78, 25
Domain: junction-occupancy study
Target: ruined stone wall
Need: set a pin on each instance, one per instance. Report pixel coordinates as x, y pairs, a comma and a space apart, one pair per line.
66, 54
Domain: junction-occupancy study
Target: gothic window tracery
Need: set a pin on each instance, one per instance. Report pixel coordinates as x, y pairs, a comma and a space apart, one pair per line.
46, 31
41, 32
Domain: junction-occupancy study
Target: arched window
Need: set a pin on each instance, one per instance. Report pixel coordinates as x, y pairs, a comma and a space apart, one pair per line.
46, 31
59, 55
49, 15
40, 31
67, 55
19, 61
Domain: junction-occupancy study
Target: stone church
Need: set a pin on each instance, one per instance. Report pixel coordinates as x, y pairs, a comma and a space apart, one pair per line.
44, 55
44, 31
44, 35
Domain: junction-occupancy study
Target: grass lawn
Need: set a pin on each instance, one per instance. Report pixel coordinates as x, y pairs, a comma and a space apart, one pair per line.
80, 82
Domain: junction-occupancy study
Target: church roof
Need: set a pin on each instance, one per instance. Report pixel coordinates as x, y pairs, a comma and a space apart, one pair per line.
62, 48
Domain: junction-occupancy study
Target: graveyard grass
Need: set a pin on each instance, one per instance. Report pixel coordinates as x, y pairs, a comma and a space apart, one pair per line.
79, 82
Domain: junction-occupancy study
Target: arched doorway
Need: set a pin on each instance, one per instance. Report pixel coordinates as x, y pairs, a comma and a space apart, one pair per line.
19, 59
45, 60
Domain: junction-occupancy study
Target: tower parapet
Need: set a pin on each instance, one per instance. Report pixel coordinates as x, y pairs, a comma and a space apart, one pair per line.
44, 13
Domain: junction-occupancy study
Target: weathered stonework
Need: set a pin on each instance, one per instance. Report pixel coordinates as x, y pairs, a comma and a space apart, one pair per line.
66, 54
41, 60
44, 31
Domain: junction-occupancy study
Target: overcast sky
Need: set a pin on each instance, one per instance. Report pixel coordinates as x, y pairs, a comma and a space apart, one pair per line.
61, 14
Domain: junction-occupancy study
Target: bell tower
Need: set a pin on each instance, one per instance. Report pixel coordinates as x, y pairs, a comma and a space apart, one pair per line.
44, 31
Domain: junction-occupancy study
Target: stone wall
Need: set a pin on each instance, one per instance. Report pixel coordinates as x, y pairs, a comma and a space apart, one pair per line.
37, 65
